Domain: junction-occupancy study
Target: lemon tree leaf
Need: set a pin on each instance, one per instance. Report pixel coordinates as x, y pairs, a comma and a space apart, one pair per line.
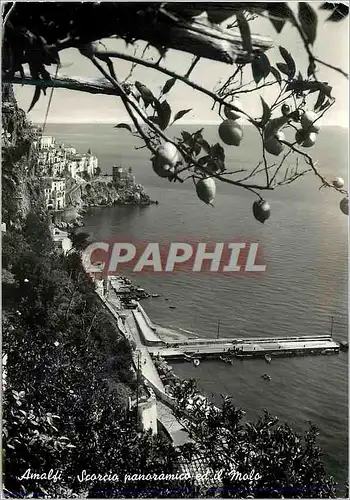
327, 6
276, 74
197, 148
245, 32
260, 67
320, 100
311, 86
325, 88
266, 112
124, 125
308, 20
256, 71
283, 68
146, 94
35, 99
198, 134
279, 13
168, 85
186, 136
164, 113
340, 11
289, 61
181, 113
218, 152
205, 145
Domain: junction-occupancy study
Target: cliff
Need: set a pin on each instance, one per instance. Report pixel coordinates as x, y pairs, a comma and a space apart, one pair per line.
21, 188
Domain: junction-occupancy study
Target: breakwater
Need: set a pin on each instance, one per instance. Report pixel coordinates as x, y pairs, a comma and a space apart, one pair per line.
248, 348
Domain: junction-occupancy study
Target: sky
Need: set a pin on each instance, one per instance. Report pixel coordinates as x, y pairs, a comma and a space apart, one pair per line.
332, 45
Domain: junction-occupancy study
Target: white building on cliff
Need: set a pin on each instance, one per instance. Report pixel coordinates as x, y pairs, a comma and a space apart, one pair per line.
55, 192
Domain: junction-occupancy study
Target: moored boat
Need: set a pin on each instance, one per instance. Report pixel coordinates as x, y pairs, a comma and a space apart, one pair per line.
187, 357
327, 351
226, 360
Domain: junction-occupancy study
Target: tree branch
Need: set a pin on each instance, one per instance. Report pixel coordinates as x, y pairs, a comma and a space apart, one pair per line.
119, 55
312, 58
93, 86
158, 26
310, 162
285, 156
163, 136
335, 68
114, 88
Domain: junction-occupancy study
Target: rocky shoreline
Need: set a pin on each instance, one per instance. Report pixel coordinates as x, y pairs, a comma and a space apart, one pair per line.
99, 193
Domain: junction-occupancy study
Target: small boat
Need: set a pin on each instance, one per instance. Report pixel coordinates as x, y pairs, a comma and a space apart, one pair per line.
226, 360
266, 377
344, 346
268, 358
154, 295
187, 357
172, 307
196, 362
327, 351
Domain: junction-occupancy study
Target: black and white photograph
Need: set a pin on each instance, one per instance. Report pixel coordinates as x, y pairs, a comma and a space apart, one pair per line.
174, 241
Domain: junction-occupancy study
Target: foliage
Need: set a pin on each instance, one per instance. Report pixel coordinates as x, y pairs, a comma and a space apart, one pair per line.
68, 376
60, 412
151, 114
288, 465
79, 240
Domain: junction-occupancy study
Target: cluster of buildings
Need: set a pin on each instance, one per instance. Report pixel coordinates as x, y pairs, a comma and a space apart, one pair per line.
56, 162
57, 159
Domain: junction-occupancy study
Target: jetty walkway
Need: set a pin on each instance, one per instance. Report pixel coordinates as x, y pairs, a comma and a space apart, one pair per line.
137, 327
249, 347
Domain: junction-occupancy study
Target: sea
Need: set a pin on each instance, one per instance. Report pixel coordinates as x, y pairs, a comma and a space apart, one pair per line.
305, 285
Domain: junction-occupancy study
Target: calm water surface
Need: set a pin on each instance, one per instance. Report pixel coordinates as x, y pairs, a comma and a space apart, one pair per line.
305, 249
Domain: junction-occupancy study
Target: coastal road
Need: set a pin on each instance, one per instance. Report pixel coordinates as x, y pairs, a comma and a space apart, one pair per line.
128, 326
147, 368
150, 374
